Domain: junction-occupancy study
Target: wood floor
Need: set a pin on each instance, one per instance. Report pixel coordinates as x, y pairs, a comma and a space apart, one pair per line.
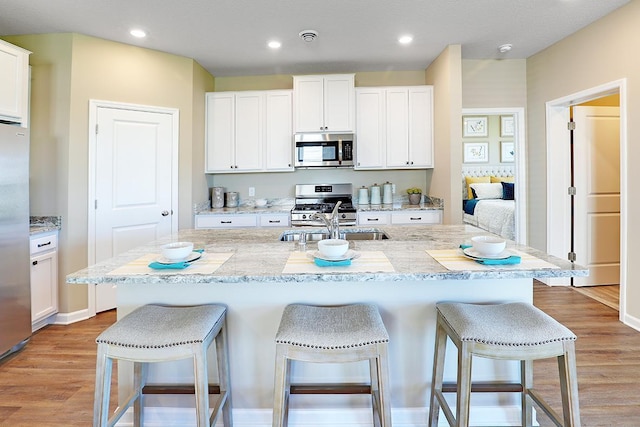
50, 382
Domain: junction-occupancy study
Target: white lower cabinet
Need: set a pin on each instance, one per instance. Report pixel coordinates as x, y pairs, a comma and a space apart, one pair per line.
417, 217
242, 221
374, 218
44, 278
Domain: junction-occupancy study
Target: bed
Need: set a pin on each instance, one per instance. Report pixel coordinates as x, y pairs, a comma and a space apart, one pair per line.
488, 199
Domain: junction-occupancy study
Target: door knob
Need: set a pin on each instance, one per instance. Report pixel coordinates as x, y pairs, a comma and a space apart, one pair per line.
164, 213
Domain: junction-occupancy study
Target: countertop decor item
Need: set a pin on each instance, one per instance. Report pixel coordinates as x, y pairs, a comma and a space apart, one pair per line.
415, 195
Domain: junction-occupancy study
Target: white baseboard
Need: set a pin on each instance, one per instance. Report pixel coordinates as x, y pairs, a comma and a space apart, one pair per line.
73, 317
402, 417
632, 322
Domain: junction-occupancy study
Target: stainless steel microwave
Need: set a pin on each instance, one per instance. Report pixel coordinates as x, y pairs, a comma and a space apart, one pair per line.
324, 150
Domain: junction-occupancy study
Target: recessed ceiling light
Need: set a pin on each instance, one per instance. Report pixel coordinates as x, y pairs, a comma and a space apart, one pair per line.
138, 33
405, 39
504, 48
273, 44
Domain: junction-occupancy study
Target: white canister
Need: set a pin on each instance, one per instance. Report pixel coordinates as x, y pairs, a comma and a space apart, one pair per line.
387, 193
375, 194
363, 196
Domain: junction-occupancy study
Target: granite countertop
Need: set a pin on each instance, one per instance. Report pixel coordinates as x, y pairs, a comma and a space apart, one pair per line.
259, 256
43, 224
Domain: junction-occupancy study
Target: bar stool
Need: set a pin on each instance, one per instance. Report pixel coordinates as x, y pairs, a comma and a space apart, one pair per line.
332, 334
514, 331
155, 333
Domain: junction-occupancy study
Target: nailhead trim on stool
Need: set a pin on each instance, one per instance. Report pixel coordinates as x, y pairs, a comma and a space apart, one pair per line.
514, 331
155, 333
332, 334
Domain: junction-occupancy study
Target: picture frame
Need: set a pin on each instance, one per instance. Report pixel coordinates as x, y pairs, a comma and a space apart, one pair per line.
507, 152
476, 152
507, 126
475, 126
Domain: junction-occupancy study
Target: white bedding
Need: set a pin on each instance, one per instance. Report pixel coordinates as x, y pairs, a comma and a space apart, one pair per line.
494, 215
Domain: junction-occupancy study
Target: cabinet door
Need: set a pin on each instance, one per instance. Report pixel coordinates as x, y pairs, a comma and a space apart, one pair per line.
274, 220
374, 218
420, 127
308, 101
417, 217
339, 103
14, 83
225, 221
370, 128
397, 121
249, 131
220, 132
279, 129
44, 285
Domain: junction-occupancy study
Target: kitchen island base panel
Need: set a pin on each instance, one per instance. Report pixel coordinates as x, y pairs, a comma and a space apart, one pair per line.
254, 310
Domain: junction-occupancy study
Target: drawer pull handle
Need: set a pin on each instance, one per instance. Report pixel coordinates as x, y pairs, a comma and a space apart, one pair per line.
34, 263
225, 222
415, 219
274, 221
372, 219
44, 244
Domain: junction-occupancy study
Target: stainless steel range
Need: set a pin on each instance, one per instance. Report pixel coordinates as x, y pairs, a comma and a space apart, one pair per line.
321, 198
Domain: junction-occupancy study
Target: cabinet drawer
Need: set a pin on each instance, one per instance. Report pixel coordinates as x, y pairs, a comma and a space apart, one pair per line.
373, 218
43, 242
225, 221
274, 220
416, 217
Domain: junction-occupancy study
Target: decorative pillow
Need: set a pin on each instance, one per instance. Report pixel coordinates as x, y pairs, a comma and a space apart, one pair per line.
502, 178
472, 180
487, 190
508, 193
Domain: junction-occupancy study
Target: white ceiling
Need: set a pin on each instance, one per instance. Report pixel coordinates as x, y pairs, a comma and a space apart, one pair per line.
229, 37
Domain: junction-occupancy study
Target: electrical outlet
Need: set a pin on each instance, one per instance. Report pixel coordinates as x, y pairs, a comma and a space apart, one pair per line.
252, 191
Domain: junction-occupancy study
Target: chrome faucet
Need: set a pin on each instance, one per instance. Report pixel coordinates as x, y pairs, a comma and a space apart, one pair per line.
332, 223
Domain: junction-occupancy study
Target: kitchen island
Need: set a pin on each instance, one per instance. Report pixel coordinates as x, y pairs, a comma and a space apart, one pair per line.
257, 275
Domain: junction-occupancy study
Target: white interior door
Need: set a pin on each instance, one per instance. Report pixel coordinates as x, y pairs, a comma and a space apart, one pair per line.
133, 184
597, 201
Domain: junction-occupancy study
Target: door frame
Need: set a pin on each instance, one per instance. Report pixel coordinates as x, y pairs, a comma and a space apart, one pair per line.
520, 164
558, 159
94, 105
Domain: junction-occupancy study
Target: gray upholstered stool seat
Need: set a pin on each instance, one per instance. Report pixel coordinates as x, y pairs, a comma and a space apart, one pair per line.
516, 331
332, 334
155, 333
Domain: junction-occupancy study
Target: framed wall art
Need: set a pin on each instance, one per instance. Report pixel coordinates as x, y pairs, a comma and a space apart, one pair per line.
474, 126
476, 152
506, 126
507, 152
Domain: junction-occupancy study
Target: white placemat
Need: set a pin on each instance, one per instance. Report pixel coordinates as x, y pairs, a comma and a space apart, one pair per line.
454, 260
367, 262
207, 264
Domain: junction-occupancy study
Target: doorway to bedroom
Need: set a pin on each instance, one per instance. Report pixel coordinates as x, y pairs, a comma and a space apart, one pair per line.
493, 171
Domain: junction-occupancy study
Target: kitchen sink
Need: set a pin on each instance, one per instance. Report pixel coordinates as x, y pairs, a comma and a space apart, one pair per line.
347, 234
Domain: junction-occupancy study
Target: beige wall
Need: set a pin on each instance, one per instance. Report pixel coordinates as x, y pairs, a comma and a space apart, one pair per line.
81, 68
600, 53
491, 83
445, 74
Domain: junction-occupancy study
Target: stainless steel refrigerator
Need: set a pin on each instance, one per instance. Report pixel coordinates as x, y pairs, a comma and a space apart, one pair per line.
15, 293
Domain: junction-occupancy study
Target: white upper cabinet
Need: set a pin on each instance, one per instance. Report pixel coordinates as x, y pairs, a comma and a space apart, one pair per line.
324, 103
395, 127
248, 131
14, 83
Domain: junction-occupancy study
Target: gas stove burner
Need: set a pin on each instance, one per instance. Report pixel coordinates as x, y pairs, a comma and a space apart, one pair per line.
321, 199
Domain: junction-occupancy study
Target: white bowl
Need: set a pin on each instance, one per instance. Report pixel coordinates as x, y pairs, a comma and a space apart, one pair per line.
488, 245
177, 250
333, 248
261, 203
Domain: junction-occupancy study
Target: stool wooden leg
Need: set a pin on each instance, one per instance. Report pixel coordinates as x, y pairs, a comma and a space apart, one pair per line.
464, 385
201, 383
381, 386
139, 380
281, 389
569, 385
222, 355
102, 388
438, 373
526, 379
